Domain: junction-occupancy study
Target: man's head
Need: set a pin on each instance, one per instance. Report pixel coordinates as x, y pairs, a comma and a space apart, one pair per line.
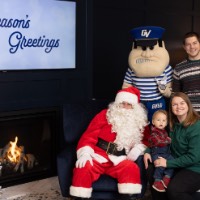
128, 97
127, 122
148, 57
191, 44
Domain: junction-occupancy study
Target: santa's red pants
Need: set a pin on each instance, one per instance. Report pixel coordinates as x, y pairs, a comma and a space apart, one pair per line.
127, 174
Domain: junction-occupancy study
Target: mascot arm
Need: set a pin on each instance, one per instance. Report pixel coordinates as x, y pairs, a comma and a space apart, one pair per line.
167, 91
126, 85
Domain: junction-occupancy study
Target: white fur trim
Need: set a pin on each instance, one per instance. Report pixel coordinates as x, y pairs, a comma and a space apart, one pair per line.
126, 97
116, 159
80, 192
129, 188
83, 150
100, 158
90, 151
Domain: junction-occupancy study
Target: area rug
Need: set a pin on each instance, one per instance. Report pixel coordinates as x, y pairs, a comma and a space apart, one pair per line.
45, 189
52, 194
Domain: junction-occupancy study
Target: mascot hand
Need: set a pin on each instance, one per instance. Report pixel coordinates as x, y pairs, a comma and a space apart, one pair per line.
166, 91
116, 159
83, 159
136, 151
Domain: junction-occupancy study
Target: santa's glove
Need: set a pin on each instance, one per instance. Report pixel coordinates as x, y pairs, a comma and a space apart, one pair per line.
83, 159
116, 159
136, 151
166, 91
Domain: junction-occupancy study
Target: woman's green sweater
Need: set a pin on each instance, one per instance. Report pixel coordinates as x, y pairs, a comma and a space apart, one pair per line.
185, 147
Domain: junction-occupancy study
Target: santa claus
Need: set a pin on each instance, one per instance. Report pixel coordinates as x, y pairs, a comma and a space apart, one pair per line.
115, 138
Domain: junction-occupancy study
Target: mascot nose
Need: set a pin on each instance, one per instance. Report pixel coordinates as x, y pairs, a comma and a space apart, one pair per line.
147, 53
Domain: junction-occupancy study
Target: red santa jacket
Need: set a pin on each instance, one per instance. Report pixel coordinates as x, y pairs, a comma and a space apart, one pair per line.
99, 128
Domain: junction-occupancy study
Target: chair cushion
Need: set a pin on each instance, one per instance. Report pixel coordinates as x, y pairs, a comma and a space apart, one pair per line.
105, 183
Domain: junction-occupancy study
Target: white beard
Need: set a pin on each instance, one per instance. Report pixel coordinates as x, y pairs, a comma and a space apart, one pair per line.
128, 124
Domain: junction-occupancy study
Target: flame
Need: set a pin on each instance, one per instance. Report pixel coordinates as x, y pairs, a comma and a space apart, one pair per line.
14, 152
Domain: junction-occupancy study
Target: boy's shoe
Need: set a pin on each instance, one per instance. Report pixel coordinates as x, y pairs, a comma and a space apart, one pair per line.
165, 181
157, 185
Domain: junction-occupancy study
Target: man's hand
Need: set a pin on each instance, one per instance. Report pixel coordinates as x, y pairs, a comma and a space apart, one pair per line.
83, 159
147, 157
136, 151
134, 154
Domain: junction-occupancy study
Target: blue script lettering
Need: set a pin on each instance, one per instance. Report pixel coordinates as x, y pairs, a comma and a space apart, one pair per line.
15, 23
17, 40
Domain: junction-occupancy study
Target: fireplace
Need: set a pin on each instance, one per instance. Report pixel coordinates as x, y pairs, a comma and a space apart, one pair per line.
28, 145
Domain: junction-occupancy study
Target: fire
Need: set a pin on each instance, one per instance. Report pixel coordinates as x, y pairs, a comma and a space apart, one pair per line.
14, 151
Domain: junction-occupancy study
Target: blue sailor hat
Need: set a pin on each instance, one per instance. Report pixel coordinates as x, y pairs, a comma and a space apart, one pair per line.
147, 32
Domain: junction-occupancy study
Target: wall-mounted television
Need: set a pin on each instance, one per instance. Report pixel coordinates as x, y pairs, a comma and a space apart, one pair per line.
37, 34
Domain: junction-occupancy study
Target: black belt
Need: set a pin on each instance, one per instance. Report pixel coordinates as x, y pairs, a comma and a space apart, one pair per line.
110, 148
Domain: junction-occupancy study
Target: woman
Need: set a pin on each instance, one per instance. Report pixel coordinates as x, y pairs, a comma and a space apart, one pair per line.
185, 134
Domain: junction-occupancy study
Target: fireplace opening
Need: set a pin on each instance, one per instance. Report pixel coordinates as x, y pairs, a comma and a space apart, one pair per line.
28, 145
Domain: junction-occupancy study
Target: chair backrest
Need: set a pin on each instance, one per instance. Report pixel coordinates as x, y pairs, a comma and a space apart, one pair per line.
77, 116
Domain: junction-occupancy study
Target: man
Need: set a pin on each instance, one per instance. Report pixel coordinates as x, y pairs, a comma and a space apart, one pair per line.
149, 68
187, 73
115, 138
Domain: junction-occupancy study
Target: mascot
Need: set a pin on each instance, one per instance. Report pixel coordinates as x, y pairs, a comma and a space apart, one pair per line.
149, 68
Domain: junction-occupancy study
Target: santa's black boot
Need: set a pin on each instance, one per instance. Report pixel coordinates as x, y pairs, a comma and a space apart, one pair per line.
128, 197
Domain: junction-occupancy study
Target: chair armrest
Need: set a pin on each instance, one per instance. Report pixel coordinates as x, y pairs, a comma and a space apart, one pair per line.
65, 163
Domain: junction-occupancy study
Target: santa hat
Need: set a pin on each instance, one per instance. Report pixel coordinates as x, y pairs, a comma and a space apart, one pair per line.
130, 95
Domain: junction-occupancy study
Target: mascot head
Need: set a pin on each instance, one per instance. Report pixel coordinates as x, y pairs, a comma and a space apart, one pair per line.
148, 57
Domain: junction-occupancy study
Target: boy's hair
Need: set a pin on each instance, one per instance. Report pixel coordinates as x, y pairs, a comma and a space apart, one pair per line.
159, 111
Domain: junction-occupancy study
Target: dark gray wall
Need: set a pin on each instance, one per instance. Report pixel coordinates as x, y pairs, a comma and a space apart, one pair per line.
47, 88
112, 22
103, 45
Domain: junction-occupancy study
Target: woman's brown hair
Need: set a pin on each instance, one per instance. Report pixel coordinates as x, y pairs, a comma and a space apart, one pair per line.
192, 115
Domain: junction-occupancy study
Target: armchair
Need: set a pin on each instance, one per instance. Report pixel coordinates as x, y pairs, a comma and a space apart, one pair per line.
76, 118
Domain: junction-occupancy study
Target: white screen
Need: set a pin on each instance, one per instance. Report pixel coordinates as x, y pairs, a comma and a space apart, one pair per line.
37, 34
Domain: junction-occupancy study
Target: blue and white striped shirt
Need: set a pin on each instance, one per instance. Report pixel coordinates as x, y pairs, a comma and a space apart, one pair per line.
148, 86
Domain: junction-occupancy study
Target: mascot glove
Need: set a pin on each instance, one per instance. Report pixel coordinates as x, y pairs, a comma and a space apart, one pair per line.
116, 159
167, 91
136, 151
83, 160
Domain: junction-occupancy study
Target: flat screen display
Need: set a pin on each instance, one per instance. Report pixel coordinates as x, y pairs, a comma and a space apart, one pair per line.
37, 34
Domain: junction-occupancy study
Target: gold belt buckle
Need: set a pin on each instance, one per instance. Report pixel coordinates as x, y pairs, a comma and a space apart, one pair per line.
108, 148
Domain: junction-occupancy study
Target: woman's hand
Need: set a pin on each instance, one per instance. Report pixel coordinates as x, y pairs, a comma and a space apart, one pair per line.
147, 157
160, 162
